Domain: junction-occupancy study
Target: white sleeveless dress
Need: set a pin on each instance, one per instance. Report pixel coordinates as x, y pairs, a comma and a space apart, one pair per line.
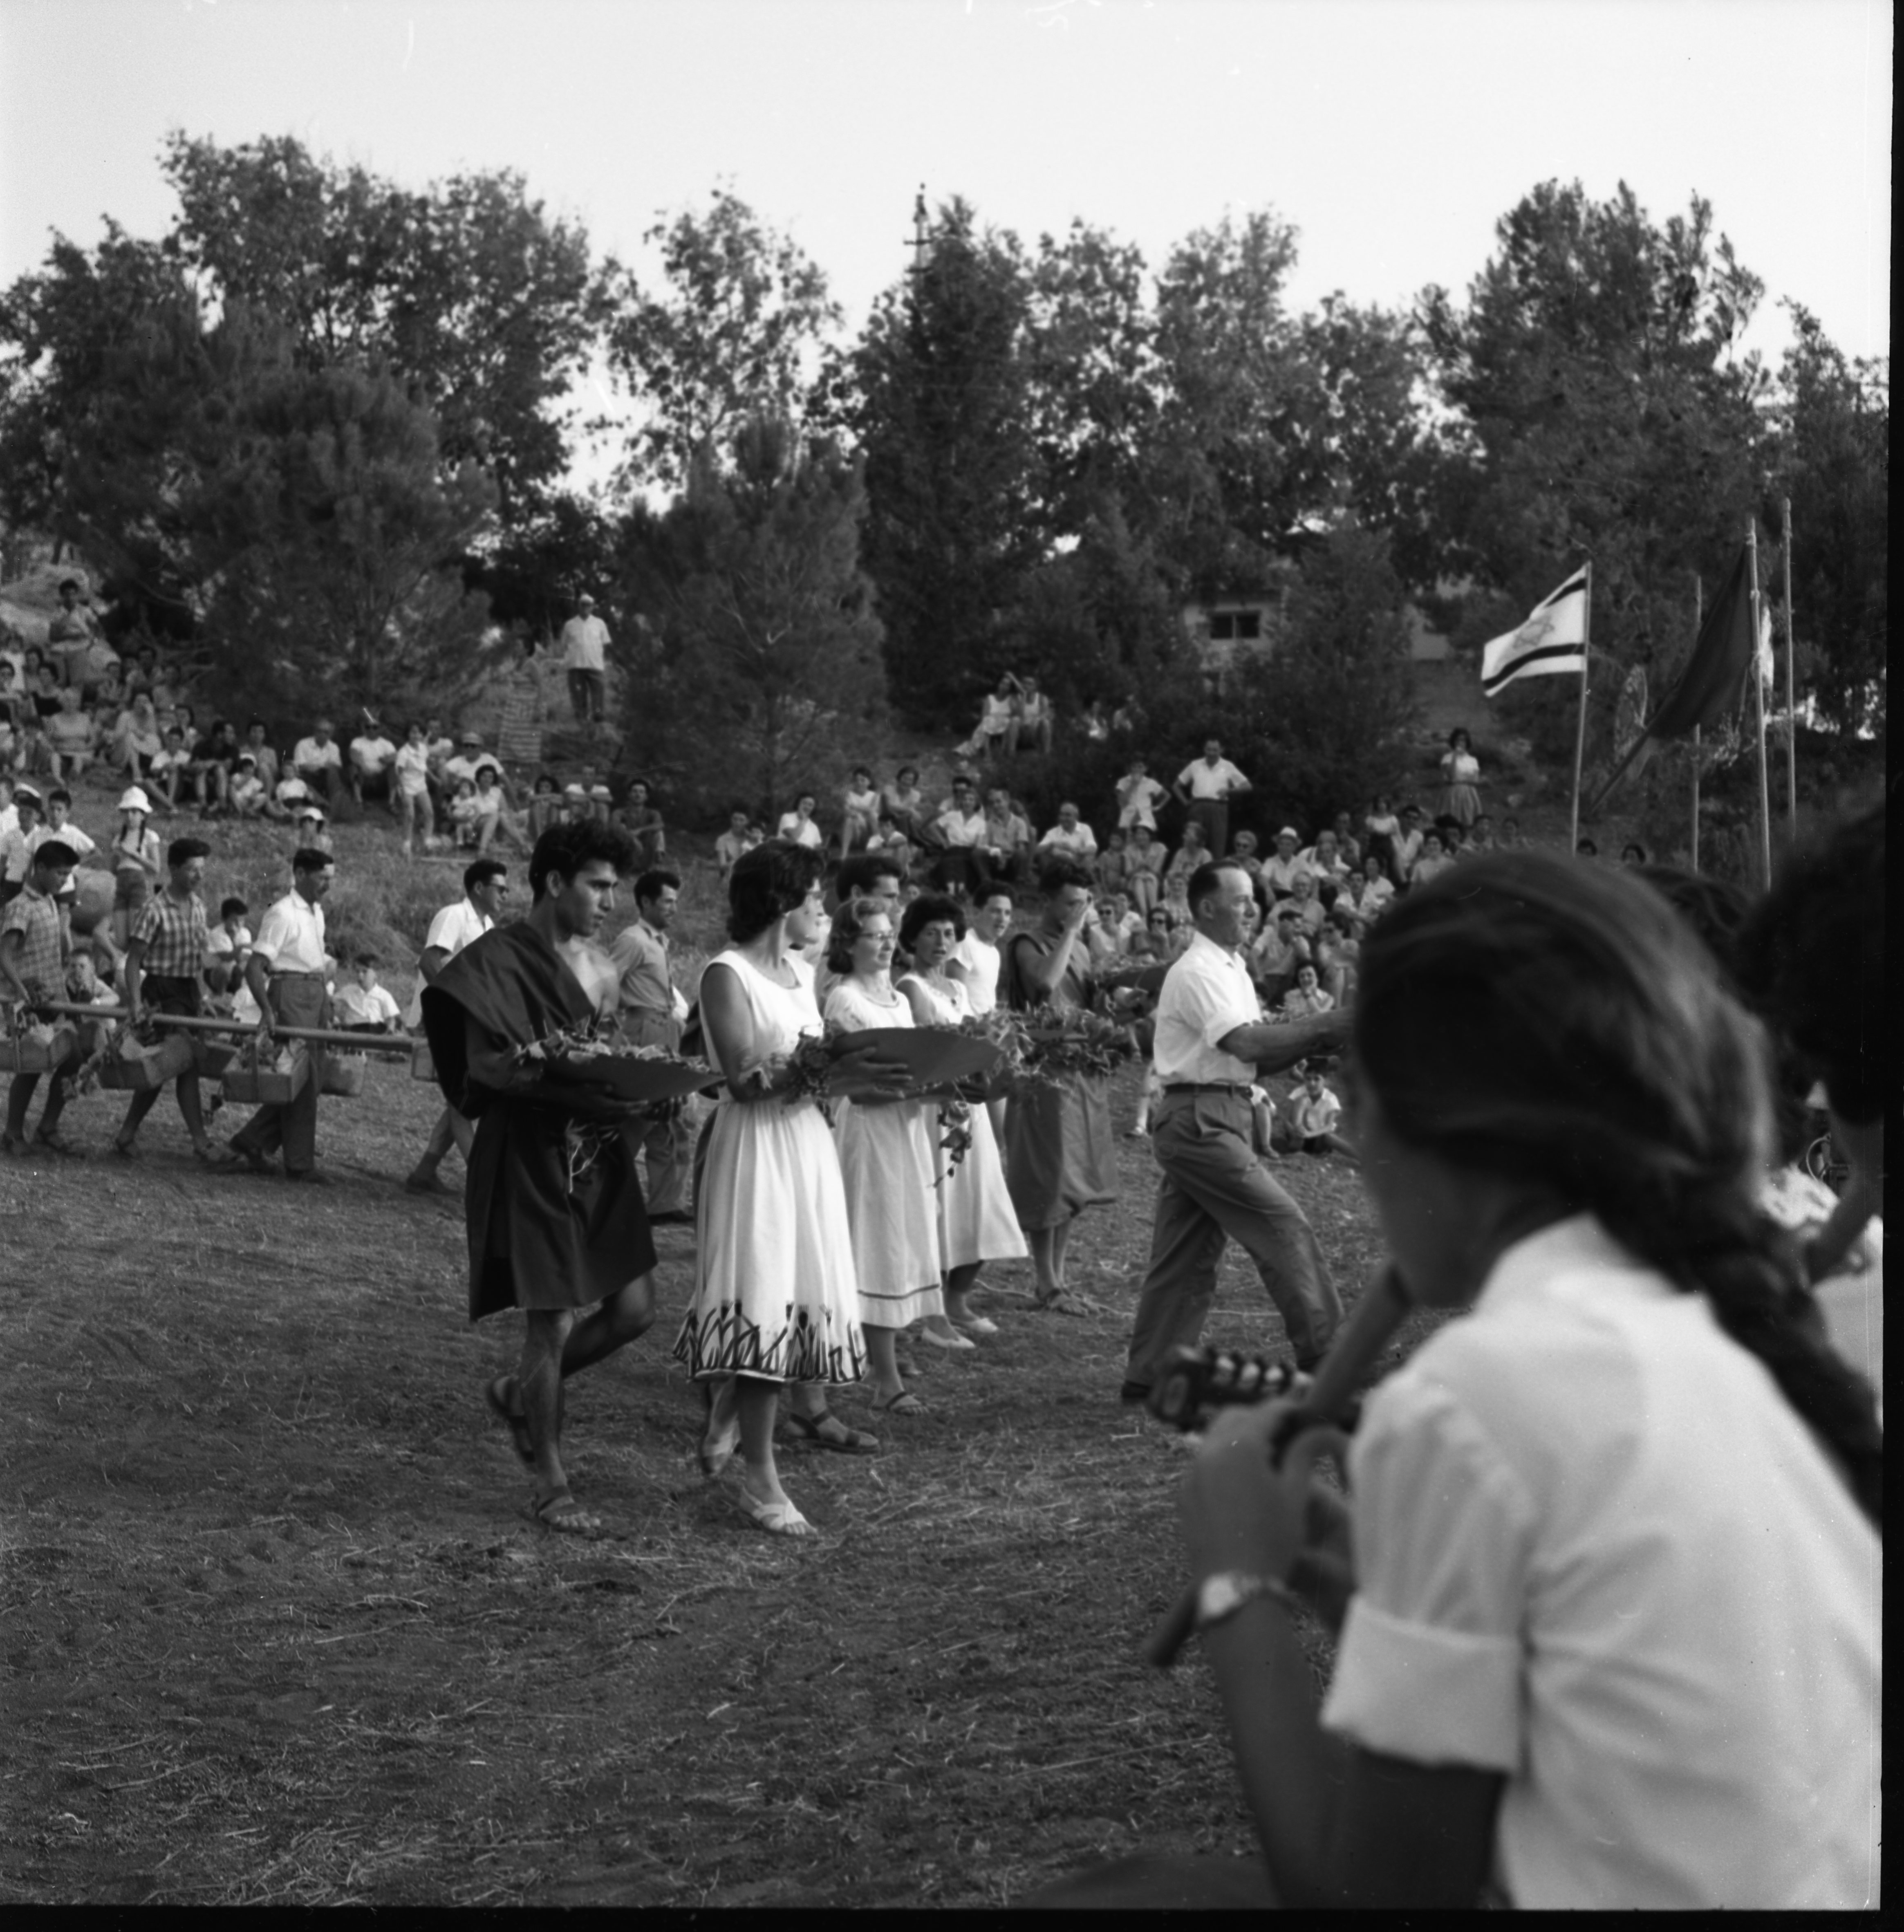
774, 1295
976, 1222
887, 1155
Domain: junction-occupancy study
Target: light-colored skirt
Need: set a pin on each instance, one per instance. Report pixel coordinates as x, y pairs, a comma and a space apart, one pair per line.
886, 1157
976, 1220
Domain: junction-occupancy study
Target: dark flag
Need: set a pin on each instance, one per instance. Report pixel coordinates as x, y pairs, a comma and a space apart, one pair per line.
1709, 686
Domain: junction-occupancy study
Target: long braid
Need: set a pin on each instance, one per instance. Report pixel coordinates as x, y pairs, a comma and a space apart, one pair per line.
1557, 1023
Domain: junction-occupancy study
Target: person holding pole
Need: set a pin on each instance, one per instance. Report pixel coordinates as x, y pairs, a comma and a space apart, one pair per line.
285, 975
164, 973
33, 974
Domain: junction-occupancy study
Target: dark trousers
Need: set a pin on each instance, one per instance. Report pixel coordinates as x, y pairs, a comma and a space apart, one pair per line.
1213, 815
293, 1125
1215, 1189
667, 1140
962, 868
587, 695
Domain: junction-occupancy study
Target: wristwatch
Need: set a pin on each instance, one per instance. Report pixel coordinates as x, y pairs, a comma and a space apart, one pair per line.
1219, 1597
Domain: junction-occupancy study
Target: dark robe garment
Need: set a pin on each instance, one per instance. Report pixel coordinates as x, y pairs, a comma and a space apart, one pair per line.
555, 1212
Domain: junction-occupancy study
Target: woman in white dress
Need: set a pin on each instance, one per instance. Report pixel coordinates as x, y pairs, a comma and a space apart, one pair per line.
775, 1299
886, 1157
976, 1224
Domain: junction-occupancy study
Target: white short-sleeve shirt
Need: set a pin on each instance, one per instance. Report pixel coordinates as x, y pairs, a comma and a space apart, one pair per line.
1207, 780
1597, 1551
981, 960
1207, 995
451, 927
291, 936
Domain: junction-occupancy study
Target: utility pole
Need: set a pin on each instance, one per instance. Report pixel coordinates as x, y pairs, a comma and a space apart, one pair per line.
920, 243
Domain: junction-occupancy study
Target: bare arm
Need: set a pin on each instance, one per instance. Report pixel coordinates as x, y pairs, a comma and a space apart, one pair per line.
132, 973
257, 977
12, 945
435, 958
1272, 1048
1045, 976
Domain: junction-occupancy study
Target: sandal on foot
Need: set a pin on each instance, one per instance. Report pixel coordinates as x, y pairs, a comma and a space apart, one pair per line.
563, 1514
904, 1403
976, 1324
813, 1429
496, 1397
780, 1518
1061, 1302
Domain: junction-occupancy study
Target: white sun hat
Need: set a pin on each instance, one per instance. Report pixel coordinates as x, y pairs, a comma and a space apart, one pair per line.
132, 799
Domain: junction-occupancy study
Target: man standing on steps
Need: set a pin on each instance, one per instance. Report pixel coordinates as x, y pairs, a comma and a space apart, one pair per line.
556, 1221
1212, 1043
651, 1012
485, 887
584, 649
1212, 782
285, 975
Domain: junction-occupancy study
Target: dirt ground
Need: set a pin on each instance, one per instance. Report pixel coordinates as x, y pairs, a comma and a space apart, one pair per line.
277, 1628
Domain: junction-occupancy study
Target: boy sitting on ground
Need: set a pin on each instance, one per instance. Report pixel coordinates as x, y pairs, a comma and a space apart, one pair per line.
1315, 1112
227, 946
360, 1004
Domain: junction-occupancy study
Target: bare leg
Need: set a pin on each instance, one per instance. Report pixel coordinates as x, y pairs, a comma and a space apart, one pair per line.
1042, 1240
882, 1357
539, 1382
959, 1283
759, 1403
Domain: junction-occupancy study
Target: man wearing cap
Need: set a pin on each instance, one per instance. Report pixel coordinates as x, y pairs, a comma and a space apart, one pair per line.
162, 973
319, 760
1284, 866
1205, 786
33, 945
584, 647
285, 975
1213, 1044
470, 759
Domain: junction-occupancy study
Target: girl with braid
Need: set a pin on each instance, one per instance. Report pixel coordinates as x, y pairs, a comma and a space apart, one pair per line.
1608, 1589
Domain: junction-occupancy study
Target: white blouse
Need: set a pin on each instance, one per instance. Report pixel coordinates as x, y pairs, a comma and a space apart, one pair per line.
1598, 1552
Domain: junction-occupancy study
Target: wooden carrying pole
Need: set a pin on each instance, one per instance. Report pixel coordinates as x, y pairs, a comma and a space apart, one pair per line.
1791, 689
1759, 701
349, 1042
1698, 618
1580, 732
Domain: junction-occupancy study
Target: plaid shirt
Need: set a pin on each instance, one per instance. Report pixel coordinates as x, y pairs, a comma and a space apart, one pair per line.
35, 917
174, 936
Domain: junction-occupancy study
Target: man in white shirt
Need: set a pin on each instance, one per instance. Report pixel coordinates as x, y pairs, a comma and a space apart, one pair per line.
372, 755
651, 1010
319, 760
1212, 1043
471, 759
976, 959
1205, 786
1070, 834
1138, 796
485, 888
286, 976
1285, 866
962, 867
584, 655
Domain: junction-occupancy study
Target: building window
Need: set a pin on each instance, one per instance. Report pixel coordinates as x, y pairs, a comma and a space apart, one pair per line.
1249, 624
1222, 626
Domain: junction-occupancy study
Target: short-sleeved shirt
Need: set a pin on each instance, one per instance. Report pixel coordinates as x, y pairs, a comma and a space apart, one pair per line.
981, 961
1597, 1552
352, 1006
34, 916
1208, 780
801, 833
174, 936
291, 936
1137, 801
265, 759
309, 755
467, 764
68, 834
1207, 995
584, 641
373, 754
962, 829
1080, 842
1314, 1114
413, 770
640, 956
451, 928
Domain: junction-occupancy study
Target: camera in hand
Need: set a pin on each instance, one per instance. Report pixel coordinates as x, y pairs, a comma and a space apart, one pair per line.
1196, 1380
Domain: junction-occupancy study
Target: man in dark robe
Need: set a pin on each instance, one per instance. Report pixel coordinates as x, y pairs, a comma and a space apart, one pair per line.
557, 1223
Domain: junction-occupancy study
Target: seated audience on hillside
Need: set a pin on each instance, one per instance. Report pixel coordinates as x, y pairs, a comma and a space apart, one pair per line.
962, 866
1284, 866
319, 760
640, 819
360, 1004
72, 735
311, 826
1147, 858
213, 757
136, 742
892, 843
1037, 717
227, 946
732, 843
859, 805
1070, 835
996, 733
904, 804
1007, 843
800, 827
372, 756
270, 768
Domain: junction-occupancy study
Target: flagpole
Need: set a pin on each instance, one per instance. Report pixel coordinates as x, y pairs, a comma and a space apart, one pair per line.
1759, 699
1698, 618
1790, 692
1580, 733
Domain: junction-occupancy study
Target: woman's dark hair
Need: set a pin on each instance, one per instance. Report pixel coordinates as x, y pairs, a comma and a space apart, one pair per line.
1812, 954
928, 909
849, 924
564, 849
768, 883
1459, 736
1057, 870
1582, 1043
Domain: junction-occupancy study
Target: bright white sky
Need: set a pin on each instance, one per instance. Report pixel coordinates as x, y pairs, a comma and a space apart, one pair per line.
1393, 134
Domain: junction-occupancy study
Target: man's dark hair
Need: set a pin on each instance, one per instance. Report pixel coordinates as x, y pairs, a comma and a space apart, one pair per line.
1057, 870
1206, 878
54, 852
565, 849
481, 871
59, 795
364, 959
310, 859
856, 874
651, 884
767, 883
183, 851
69, 583
226, 906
